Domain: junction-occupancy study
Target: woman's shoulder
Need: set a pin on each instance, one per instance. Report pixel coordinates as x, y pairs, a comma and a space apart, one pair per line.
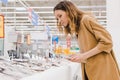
86, 17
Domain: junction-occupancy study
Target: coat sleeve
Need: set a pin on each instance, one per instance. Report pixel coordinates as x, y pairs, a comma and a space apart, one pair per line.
100, 33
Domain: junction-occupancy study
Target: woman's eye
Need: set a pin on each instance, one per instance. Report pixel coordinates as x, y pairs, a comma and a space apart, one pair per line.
60, 16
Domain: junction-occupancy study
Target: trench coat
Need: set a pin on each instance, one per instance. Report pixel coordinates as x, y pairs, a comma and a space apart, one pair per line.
102, 66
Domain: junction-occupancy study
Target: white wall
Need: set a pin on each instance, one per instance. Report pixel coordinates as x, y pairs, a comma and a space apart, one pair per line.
113, 24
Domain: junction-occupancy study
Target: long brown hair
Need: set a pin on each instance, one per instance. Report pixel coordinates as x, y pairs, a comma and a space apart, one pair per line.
74, 16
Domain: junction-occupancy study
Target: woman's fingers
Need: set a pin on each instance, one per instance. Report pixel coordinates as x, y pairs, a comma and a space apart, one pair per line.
77, 58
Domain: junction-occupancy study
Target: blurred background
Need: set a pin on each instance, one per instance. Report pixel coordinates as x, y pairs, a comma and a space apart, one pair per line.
30, 24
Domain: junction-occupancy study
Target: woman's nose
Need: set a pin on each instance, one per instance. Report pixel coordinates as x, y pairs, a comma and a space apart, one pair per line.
59, 20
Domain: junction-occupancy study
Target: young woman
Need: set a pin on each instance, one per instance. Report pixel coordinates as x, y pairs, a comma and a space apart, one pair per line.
96, 54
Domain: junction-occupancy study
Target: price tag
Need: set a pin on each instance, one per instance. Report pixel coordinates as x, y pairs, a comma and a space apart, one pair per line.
1, 26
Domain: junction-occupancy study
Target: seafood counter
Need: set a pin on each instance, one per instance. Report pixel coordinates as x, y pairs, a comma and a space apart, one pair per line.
19, 68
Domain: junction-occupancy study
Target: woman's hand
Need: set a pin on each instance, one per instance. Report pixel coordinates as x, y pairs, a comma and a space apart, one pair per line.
80, 58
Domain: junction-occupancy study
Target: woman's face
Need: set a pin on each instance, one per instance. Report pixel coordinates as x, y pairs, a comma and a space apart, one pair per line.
61, 16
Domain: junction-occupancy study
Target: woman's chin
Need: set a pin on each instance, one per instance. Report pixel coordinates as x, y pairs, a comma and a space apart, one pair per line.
65, 26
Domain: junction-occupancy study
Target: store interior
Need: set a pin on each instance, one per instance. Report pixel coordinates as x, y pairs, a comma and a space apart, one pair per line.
29, 37
24, 18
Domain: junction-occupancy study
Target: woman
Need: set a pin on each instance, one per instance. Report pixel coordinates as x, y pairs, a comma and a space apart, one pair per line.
96, 53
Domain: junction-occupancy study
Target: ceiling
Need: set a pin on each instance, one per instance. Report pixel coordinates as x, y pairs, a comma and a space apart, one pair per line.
17, 12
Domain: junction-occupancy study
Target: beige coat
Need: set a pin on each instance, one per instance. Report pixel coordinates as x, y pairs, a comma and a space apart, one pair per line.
102, 66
